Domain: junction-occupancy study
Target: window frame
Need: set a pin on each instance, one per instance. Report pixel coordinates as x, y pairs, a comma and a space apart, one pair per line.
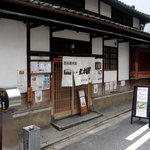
110, 58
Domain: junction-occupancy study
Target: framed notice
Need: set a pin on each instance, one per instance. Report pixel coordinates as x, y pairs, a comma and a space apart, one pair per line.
83, 102
141, 103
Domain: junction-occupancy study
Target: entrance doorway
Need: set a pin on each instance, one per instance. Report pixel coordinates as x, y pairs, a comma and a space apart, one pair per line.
65, 99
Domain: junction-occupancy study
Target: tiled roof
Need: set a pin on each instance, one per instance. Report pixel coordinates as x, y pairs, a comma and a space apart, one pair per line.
132, 8
37, 2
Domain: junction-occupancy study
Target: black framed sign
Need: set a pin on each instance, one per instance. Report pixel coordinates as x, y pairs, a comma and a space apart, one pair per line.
141, 103
4, 101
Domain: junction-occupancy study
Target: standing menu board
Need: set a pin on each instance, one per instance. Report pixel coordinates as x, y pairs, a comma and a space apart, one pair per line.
141, 103
83, 102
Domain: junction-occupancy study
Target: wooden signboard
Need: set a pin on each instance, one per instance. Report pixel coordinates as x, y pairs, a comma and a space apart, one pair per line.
83, 102
141, 103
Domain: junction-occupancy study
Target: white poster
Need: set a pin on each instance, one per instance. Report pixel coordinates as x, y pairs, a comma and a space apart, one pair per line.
82, 101
142, 100
67, 71
38, 96
83, 69
95, 88
21, 81
96, 73
40, 67
40, 82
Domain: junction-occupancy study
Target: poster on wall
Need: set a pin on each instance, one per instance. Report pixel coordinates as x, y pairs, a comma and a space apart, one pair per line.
67, 71
21, 81
142, 101
82, 69
40, 82
97, 71
38, 96
40, 67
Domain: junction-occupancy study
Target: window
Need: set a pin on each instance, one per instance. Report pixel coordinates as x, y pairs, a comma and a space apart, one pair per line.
110, 58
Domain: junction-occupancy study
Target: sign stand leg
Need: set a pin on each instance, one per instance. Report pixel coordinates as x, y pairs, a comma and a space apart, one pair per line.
1, 129
131, 120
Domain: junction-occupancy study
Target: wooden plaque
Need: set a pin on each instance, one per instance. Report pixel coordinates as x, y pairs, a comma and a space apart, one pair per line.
82, 102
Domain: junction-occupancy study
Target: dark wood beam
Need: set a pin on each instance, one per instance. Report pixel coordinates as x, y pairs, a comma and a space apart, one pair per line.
34, 25
56, 29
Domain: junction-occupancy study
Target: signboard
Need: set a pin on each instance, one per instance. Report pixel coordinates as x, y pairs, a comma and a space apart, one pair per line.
4, 102
141, 102
82, 101
82, 69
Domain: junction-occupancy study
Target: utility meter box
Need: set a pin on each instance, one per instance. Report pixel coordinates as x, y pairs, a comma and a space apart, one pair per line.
10, 98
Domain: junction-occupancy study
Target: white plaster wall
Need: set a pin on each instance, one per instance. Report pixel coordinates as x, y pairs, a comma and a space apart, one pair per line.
91, 5
110, 76
123, 61
12, 52
40, 39
136, 22
97, 46
105, 9
68, 34
111, 43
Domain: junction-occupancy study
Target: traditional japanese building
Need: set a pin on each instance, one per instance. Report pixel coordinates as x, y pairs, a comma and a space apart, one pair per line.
65, 54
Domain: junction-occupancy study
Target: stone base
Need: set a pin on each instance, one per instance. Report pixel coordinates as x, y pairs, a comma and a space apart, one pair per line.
40, 118
112, 100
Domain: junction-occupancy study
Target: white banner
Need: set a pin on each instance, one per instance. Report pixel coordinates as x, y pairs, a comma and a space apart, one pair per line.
83, 69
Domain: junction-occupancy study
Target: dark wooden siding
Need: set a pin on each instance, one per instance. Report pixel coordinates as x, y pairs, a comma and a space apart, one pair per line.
68, 46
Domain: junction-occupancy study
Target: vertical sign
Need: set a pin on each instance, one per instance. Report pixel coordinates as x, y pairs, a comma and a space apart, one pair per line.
83, 102
142, 101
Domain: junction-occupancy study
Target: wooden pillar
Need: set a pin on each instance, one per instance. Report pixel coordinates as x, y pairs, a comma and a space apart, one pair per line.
136, 64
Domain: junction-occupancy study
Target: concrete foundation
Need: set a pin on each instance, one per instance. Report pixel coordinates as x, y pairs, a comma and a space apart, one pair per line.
40, 118
112, 100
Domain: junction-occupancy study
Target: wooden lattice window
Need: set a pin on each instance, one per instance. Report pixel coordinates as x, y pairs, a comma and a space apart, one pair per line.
110, 58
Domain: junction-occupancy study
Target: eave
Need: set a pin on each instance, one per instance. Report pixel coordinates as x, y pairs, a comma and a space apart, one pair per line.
53, 16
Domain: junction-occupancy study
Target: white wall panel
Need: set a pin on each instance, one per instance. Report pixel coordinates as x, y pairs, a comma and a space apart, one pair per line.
110, 76
123, 61
97, 46
68, 34
40, 39
12, 52
105, 9
91, 5
136, 22
111, 43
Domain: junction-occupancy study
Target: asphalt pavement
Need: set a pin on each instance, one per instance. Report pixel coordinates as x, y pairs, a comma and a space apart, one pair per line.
51, 136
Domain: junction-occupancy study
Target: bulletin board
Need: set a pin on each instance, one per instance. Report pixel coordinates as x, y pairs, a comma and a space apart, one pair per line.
40, 72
